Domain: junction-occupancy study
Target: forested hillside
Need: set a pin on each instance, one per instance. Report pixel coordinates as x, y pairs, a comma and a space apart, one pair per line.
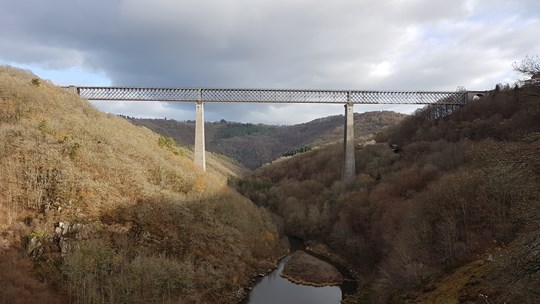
96, 210
256, 144
452, 217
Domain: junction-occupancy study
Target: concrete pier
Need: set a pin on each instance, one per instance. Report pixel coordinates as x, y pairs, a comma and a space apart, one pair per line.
349, 170
200, 157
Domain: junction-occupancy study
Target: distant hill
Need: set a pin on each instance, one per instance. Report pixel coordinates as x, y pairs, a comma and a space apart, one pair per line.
256, 144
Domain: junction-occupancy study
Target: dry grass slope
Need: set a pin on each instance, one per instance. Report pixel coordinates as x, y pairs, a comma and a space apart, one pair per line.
94, 201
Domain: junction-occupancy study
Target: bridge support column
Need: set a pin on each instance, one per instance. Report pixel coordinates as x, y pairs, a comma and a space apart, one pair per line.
349, 170
200, 157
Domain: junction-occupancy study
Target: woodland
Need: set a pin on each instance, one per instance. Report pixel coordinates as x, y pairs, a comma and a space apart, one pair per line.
451, 216
95, 209
253, 145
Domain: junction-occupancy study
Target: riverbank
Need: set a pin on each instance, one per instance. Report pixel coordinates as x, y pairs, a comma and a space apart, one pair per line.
266, 288
273, 288
306, 269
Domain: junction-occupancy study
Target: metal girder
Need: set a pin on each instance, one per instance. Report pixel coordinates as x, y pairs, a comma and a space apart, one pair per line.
272, 95
138, 94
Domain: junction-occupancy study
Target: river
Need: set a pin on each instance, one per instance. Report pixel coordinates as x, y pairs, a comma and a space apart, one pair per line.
272, 288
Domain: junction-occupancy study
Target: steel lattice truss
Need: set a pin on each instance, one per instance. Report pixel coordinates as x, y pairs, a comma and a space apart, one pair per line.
271, 95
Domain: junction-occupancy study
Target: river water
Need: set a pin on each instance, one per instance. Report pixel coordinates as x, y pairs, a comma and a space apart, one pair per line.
273, 288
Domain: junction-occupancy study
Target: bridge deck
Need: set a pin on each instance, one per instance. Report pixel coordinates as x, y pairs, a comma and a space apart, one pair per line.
271, 95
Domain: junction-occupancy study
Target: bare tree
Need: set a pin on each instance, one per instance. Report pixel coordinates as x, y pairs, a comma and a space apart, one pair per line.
530, 65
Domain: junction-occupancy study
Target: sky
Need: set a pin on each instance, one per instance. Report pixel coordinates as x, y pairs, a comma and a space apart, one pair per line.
307, 44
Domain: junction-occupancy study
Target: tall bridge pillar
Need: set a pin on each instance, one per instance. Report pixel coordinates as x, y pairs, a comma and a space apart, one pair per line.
200, 157
349, 170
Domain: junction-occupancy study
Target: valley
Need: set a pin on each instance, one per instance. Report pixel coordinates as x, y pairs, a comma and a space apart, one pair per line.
254, 145
97, 208
447, 218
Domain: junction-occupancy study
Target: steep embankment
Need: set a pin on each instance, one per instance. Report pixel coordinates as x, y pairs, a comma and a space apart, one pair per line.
256, 144
454, 212
94, 209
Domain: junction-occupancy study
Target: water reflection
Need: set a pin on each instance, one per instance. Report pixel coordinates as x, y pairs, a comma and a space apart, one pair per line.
275, 289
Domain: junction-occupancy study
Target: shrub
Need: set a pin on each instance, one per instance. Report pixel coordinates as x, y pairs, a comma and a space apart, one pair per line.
98, 274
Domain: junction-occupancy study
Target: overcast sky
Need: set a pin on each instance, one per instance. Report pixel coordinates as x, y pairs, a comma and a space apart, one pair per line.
330, 44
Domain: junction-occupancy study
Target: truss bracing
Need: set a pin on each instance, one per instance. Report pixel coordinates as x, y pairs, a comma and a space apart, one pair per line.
272, 95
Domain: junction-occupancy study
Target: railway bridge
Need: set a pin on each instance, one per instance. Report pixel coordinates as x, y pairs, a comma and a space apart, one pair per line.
348, 98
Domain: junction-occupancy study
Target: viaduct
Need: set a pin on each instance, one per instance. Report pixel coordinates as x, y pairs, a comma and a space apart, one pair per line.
346, 97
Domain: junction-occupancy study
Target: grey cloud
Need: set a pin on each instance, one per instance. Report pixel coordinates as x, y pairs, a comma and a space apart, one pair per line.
387, 44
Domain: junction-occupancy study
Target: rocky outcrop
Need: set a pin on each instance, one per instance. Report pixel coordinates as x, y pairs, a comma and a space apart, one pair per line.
64, 232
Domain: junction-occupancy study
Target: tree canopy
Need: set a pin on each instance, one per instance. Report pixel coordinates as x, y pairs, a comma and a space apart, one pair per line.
530, 65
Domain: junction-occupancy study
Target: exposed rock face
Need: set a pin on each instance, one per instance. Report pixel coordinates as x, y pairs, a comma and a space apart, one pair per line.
34, 247
66, 233
305, 269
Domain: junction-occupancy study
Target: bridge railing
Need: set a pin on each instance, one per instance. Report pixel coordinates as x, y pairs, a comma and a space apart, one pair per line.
138, 94
408, 97
274, 96
271, 95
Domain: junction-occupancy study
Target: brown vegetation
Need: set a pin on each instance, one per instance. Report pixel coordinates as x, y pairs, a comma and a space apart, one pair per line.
97, 210
463, 185
306, 269
17, 283
254, 145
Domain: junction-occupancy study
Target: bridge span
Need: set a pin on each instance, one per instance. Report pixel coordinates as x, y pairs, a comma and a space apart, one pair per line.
346, 97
